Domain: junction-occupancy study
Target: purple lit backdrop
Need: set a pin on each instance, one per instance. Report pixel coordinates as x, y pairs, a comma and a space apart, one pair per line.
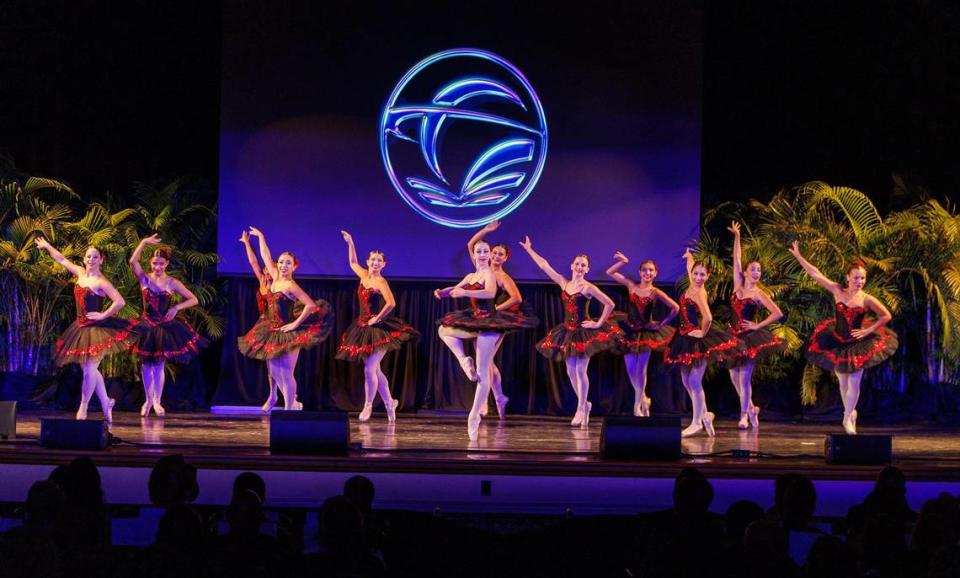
300, 157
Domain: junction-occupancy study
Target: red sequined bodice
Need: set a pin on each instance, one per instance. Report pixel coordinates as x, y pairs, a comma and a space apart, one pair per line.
87, 301
155, 303
371, 302
848, 318
689, 315
574, 309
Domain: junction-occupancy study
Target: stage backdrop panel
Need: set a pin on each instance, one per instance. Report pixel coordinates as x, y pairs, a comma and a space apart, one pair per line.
304, 85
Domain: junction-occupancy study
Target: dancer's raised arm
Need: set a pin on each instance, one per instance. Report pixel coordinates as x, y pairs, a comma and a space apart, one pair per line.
613, 270
821, 279
268, 263
252, 257
57, 256
737, 258
689, 259
135, 257
479, 235
352, 256
543, 264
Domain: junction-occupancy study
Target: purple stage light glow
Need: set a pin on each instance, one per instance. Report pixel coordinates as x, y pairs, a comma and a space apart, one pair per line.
482, 187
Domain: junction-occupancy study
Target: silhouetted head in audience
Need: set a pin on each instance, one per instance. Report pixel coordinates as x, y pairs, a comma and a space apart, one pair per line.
341, 524
739, 515
253, 482
180, 529
245, 514
80, 482
173, 482
798, 504
692, 493
360, 491
890, 490
45, 504
938, 525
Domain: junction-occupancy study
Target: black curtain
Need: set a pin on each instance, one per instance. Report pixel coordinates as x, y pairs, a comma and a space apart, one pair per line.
425, 375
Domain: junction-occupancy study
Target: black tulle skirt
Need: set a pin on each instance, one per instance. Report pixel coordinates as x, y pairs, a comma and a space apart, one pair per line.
641, 340
502, 321
266, 341
360, 339
562, 342
717, 346
828, 350
175, 341
95, 339
758, 345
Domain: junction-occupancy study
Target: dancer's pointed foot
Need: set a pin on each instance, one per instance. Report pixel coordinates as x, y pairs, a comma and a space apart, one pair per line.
744, 422
145, 408
271, 401
850, 423
367, 410
82, 412
469, 367
484, 410
159, 408
108, 409
708, 424
585, 424
577, 418
754, 415
392, 410
695, 427
502, 406
473, 426
645, 406
298, 405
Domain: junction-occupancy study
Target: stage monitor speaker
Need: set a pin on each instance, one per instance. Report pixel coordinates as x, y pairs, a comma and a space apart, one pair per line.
858, 449
309, 432
8, 419
640, 438
73, 434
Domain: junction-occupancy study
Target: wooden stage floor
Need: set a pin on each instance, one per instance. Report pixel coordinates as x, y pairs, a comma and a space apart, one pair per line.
520, 445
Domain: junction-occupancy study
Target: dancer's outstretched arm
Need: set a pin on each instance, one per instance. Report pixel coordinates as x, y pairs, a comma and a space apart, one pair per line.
252, 257
614, 274
543, 264
352, 256
821, 279
57, 256
268, 263
135, 257
737, 262
489, 290
479, 235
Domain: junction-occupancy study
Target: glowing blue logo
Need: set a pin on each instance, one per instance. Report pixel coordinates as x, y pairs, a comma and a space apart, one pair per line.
463, 137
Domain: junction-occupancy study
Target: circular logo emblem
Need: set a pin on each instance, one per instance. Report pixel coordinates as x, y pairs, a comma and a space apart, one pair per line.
463, 137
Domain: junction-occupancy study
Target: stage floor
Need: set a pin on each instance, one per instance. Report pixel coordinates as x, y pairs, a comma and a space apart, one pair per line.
520, 445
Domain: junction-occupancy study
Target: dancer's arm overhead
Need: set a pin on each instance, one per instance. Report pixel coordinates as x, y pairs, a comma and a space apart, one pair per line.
352, 256
268, 263
252, 257
135, 257
543, 264
832, 286
57, 256
613, 270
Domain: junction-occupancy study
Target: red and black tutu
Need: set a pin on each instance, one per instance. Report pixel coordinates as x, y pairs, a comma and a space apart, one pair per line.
717, 346
758, 343
360, 339
483, 316
637, 337
831, 346
175, 340
86, 339
570, 338
266, 341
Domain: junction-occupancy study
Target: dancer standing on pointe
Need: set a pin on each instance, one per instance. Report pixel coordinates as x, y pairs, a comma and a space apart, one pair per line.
842, 344
509, 306
746, 301
375, 331
280, 334
578, 338
642, 334
163, 336
95, 333
697, 343
479, 322
264, 281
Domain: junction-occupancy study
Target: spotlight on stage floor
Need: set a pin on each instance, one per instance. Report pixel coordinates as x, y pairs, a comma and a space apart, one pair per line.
72, 434
8, 419
309, 432
860, 449
640, 438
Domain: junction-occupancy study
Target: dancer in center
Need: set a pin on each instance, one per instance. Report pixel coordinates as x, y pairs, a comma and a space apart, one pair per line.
697, 343
746, 301
642, 333
375, 331
164, 336
578, 338
280, 333
510, 306
479, 322
842, 344
95, 333
264, 281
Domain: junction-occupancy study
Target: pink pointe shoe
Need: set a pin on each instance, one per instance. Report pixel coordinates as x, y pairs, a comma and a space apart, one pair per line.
469, 367
108, 410
708, 424
392, 410
145, 408
365, 413
271, 401
502, 406
585, 424
754, 416
473, 427
744, 422
577, 418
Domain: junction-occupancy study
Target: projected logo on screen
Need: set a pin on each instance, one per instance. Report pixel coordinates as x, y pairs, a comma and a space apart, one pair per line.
463, 137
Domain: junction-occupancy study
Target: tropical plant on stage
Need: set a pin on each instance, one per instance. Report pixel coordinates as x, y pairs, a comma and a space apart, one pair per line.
37, 302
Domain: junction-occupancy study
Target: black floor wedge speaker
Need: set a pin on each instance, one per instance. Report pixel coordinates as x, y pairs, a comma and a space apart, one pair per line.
309, 432
640, 438
73, 434
858, 449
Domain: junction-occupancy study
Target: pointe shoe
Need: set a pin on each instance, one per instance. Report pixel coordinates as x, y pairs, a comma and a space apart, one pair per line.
469, 367
754, 416
271, 401
850, 423
298, 405
159, 409
744, 422
367, 410
708, 424
82, 412
577, 418
645, 406
108, 410
637, 410
145, 409
585, 424
484, 410
502, 406
473, 427
695, 427
392, 410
